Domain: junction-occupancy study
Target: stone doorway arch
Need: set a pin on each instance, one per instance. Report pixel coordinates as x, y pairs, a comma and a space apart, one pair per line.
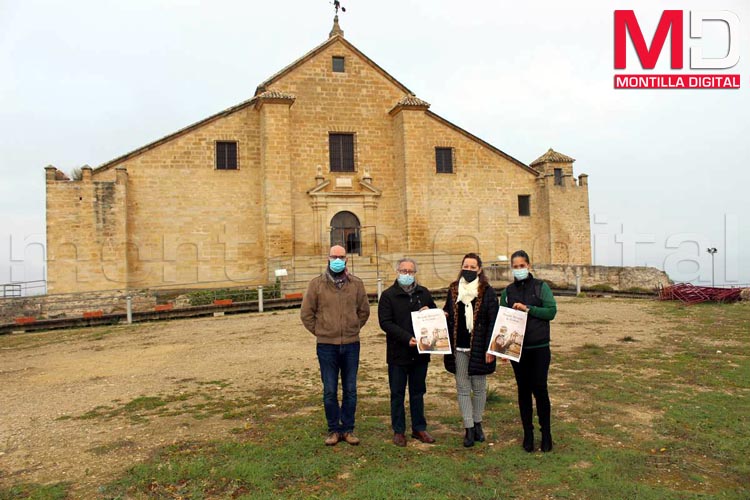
346, 231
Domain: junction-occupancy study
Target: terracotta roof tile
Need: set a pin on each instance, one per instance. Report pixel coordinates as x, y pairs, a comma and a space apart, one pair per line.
276, 94
412, 100
552, 156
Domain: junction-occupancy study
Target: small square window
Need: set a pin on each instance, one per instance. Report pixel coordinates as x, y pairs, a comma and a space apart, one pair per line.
226, 155
338, 64
444, 160
558, 177
524, 204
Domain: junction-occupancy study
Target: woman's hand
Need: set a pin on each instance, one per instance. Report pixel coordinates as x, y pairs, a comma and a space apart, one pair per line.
489, 358
520, 307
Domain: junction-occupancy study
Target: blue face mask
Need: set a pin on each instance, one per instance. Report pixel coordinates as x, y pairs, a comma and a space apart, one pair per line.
521, 274
405, 279
337, 265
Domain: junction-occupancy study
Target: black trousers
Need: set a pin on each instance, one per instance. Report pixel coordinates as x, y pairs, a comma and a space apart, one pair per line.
531, 377
398, 377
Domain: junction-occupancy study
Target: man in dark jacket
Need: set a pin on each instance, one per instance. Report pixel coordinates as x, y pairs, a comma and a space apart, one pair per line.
405, 364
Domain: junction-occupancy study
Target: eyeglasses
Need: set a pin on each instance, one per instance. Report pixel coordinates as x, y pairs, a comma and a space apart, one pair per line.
404, 271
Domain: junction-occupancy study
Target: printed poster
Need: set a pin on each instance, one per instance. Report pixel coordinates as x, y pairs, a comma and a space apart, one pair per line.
507, 335
431, 331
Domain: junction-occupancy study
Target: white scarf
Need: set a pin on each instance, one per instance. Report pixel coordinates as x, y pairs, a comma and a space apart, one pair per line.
466, 293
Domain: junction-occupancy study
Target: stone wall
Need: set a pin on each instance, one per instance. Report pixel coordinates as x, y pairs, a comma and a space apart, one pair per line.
70, 305
86, 231
600, 278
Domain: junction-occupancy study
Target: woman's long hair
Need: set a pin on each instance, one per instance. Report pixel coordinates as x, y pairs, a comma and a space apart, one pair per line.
482, 276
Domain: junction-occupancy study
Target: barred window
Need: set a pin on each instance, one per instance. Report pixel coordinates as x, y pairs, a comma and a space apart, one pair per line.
444, 160
226, 155
341, 152
524, 204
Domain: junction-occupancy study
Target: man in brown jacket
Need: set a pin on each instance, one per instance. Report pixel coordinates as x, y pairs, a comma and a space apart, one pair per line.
334, 309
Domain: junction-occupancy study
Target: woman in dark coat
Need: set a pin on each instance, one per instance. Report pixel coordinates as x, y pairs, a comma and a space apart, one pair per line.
471, 309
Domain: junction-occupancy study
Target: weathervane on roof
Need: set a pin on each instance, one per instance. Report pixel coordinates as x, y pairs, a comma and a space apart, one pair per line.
336, 28
337, 6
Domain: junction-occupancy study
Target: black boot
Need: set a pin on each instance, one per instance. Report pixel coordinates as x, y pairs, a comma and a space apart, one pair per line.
478, 432
528, 440
546, 441
469, 437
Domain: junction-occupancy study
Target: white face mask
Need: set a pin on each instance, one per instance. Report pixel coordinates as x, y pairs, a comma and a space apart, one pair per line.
337, 265
521, 274
405, 279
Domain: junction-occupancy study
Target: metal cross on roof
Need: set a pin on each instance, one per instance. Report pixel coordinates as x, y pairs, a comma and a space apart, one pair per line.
337, 6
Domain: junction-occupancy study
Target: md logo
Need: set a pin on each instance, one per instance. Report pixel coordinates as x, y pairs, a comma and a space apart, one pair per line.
673, 22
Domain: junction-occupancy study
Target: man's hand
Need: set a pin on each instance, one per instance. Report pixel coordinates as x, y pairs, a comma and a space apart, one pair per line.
412, 342
423, 308
520, 307
489, 358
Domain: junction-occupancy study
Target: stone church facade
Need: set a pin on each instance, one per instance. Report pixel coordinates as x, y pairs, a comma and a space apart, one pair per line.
331, 149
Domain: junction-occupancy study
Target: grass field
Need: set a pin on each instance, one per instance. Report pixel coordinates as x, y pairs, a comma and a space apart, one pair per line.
667, 419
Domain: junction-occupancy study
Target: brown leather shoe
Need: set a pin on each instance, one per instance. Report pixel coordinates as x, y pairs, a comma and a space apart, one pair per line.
399, 439
423, 436
350, 438
332, 439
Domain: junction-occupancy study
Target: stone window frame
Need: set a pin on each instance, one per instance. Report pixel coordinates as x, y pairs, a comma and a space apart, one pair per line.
453, 159
342, 60
558, 175
527, 198
354, 151
236, 153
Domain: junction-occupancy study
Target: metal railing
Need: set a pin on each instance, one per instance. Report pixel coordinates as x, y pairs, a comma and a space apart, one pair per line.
17, 289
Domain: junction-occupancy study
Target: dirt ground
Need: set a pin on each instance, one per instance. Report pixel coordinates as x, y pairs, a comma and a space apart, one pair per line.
49, 381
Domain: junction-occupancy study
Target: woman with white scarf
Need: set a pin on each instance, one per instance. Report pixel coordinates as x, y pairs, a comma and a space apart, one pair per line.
471, 309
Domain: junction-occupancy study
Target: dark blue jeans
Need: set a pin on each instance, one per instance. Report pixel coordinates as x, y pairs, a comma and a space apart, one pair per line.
343, 359
398, 376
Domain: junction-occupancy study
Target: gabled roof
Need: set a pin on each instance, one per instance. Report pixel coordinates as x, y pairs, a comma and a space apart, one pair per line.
262, 93
259, 91
174, 135
552, 156
320, 48
486, 144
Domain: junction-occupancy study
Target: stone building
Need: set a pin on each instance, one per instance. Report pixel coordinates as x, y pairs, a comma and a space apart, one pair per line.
331, 149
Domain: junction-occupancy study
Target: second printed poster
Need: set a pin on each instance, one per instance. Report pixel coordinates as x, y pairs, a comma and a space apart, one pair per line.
507, 335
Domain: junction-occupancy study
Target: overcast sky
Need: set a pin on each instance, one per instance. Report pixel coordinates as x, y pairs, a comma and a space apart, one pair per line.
86, 81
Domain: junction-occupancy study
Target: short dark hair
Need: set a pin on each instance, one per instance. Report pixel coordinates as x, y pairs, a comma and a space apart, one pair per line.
522, 254
482, 276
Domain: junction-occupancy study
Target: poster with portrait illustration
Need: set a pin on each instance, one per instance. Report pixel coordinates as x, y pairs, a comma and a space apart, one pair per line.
431, 331
507, 335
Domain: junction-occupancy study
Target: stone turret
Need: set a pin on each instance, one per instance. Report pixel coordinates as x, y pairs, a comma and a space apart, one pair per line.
566, 203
